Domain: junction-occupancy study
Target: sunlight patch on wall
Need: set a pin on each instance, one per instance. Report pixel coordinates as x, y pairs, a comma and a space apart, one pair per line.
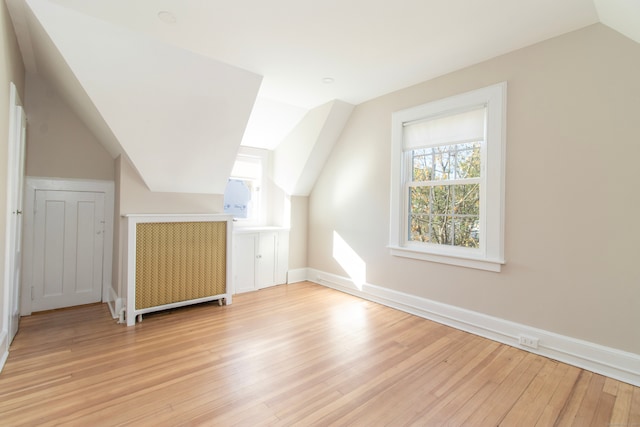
349, 260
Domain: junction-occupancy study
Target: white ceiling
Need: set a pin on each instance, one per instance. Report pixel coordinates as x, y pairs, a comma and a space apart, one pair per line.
368, 47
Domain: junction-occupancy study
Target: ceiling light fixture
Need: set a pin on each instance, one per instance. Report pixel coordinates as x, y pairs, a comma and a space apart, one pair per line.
328, 80
167, 17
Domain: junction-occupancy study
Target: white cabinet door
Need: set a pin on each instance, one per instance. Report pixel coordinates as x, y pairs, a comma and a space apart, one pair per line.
260, 259
244, 261
266, 259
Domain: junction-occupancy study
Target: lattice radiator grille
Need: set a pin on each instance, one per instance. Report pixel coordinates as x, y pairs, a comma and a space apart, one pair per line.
179, 261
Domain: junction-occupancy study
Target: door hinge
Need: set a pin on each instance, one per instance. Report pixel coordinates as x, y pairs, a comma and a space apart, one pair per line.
32, 293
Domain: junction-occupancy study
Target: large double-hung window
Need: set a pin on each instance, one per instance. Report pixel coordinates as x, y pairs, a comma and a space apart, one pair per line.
448, 180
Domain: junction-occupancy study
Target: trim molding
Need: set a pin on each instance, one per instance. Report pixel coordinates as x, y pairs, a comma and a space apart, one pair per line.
4, 349
611, 362
114, 302
298, 275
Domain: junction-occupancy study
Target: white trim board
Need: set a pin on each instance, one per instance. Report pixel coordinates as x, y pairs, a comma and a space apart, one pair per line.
298, 275
114, 302
4, 348
611, 362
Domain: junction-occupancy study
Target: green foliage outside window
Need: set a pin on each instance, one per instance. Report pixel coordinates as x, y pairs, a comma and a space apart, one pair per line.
445, 196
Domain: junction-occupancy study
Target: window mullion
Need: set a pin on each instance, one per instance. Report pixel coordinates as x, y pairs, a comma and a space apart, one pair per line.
463, 181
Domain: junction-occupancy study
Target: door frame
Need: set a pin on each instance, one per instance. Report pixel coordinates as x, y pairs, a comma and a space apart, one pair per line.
15, 172
33, 184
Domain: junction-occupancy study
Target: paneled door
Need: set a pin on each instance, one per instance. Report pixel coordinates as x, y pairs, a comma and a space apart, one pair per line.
68, 248
15, 187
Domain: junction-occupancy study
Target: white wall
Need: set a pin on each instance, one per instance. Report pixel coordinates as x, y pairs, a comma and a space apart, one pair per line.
299, 231
572, 234
58, 143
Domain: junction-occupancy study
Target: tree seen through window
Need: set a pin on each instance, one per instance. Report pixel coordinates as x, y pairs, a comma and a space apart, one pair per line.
444, 195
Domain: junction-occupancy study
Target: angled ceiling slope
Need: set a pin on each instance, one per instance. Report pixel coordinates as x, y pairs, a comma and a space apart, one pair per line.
621, 15
298, 160
178, 116
137, 83
41, 57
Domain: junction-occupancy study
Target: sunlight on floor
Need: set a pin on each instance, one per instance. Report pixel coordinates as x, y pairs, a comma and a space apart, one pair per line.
350, 261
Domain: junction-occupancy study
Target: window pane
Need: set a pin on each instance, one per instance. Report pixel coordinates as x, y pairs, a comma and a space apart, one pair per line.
441, 199
237, 196
445, 215
467, 199
422, 166
466, 232
442, 163
468, 161
419, 200
446, 162
441, 231
419, 228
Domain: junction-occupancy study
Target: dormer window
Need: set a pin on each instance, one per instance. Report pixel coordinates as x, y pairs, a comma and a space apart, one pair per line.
243, 196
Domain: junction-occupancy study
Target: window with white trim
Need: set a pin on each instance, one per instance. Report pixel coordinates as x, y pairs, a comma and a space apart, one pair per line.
447, 193
244, 195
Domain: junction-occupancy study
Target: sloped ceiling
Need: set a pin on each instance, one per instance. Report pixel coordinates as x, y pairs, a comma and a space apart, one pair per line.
177, 115
621, 15
177, 85
298, 160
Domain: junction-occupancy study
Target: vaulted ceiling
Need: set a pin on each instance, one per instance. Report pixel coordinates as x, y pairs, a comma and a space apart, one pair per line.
177, 85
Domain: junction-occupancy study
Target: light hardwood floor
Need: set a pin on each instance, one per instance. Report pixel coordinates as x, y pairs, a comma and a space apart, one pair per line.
290, 355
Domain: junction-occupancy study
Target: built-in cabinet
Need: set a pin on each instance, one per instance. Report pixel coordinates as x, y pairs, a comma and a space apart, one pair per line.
260, 258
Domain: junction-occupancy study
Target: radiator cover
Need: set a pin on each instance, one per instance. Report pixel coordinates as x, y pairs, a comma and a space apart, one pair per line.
175, 261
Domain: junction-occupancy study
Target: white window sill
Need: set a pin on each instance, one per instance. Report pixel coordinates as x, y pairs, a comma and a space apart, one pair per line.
487, 264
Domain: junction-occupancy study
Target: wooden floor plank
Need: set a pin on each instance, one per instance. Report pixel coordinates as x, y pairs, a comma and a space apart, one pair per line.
589, 404
524, 408
634, 411
602, 414
551, 412
572, 405
622, 406
509, 391
289, 355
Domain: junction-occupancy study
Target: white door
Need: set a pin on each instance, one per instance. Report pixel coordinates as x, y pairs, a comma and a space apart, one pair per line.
244, 261
13, 263
266, 266
68, 248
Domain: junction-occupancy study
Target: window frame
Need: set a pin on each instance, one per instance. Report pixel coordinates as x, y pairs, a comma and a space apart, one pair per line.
259, 198
490, 255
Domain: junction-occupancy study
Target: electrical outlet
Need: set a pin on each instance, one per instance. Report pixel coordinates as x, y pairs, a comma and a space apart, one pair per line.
528, 341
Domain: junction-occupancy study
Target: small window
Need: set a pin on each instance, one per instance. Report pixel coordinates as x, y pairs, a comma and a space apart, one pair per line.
447, 203
242, 196
237, 197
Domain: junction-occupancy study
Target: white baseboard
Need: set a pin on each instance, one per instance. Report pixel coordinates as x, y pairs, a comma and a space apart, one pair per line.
295, 276
115, 303
4, 349
611, 362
